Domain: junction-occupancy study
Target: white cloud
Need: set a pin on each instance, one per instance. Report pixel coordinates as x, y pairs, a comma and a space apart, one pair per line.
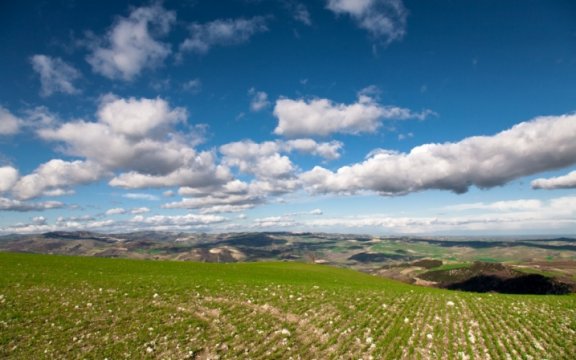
265, 160
506, 205
259, 100
137, 143
9, 124
223, 33
322, 117
139, 211
141, 196
567, 181
194, 86
55, 75
58, 192
21, 206
233, 196
116, 211
179, 220
301, 14
57, 175
39, 117
63, 224
8, 178
316, 212
385, 20
274, 222
531, 147
198, 172
138, 137
131, 45
137, 118
327, 150
553, 216
39, 220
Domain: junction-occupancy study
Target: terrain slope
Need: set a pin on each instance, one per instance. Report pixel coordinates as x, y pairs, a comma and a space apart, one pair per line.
78, 307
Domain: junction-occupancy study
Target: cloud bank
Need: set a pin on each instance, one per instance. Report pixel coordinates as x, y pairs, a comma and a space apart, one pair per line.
528, 148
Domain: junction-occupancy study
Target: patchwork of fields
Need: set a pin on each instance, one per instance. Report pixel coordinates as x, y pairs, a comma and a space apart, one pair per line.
77, 307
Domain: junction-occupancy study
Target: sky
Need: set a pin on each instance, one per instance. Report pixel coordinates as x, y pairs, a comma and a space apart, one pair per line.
449, 117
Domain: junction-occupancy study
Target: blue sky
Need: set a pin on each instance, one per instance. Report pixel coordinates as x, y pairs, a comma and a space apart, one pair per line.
360, 116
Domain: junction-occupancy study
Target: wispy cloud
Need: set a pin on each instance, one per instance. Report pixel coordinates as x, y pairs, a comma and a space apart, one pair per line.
385, 20
141, 196
259, 100
224, 32
55, 75
131, 45
9, 123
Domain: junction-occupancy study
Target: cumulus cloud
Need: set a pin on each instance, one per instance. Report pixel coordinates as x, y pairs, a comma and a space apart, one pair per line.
22, 206
8, 178
55, 75
260, 159
316, 212
265, 160
132, 45
233, 196
56, 176
322, 117
136, 143
137, 136
9, 124
138, 118
222, 33
199, 171
116, 211
385, 20
259, 100
542, 144
138, 211
327, 150
567, 181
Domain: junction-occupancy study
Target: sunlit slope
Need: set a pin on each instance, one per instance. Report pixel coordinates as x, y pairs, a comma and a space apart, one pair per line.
73, 307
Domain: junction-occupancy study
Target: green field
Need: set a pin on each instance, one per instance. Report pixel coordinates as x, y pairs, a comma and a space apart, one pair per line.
57, 307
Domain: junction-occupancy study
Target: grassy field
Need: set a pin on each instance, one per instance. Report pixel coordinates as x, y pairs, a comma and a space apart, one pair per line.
54, 307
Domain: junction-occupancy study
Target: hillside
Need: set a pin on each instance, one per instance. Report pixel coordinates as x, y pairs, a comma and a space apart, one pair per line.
400, 258
72, 307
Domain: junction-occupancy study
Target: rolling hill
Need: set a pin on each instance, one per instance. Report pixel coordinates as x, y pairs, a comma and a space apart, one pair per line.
78, 307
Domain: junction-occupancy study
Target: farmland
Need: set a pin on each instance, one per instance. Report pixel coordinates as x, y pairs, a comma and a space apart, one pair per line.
78, 307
